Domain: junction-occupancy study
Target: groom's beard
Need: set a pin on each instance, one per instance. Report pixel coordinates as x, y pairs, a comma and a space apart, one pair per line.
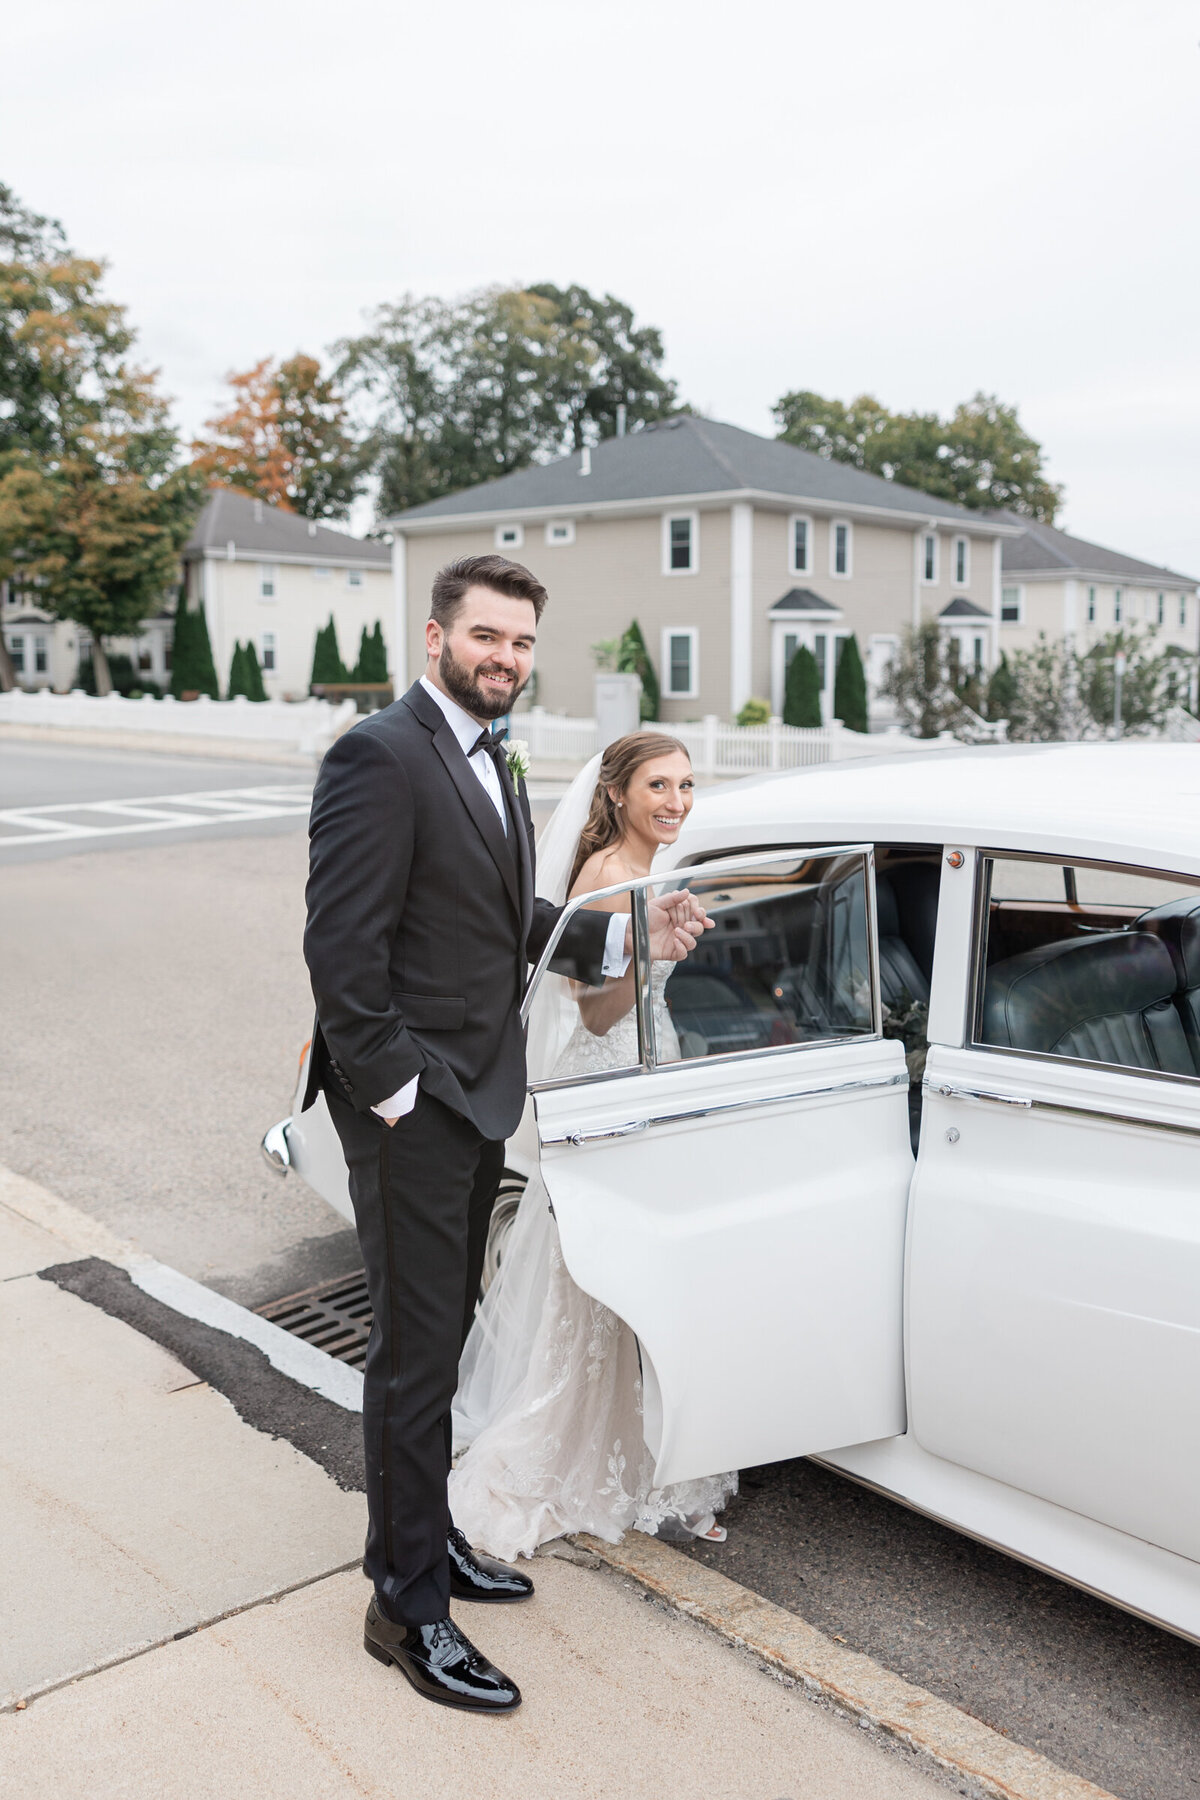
461, 684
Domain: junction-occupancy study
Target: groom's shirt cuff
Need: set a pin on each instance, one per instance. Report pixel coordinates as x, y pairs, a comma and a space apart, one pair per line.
615, 960
399, 1103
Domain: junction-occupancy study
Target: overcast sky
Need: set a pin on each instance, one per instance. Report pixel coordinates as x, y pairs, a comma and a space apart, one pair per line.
915, 201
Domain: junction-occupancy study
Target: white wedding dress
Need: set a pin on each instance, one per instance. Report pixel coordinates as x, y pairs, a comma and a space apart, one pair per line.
550, 1395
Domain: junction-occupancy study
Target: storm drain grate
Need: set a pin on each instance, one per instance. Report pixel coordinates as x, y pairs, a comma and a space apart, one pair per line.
334, 1315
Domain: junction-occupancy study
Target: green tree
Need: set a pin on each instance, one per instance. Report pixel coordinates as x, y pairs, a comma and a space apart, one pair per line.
755, 712
1001, 690
457, 392
253, 673
372, 656
93, 510
980, 457
922, 681
1148, 685
287, 439
237, 687
802, 690
633, 658
192, 668
328, 668
850, 687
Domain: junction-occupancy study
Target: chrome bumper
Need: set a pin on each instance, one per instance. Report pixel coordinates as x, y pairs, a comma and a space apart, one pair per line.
275, 1148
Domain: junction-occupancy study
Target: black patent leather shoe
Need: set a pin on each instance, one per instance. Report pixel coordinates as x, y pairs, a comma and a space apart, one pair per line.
476, 1577
440, 1662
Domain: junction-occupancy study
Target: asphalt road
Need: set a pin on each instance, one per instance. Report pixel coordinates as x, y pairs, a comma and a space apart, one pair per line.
155, 1000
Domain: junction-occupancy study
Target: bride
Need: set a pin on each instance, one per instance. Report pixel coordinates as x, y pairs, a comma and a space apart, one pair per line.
550, 1394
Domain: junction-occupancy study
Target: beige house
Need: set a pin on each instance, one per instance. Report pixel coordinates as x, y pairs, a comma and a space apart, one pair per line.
1065, 587
273, 578
728, 549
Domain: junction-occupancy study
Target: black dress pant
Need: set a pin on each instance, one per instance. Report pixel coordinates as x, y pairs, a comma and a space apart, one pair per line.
423, 1191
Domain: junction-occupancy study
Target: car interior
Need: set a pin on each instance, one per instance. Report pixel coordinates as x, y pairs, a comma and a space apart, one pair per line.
1095, 975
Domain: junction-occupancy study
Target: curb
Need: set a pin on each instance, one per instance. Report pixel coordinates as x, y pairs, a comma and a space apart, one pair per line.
856, 1684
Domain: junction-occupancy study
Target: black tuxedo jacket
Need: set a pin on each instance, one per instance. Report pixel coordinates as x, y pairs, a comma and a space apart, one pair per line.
422, 921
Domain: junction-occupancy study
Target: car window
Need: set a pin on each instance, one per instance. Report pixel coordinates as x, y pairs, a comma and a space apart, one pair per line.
787, 962
1091, 962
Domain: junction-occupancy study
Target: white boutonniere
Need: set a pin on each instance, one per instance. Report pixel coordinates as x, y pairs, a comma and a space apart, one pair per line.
516, 755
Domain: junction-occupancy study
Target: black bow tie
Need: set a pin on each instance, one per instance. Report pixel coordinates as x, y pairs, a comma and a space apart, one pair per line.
491, 741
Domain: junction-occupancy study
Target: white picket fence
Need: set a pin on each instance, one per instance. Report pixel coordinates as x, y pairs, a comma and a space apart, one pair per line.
1180, 727
307, 726
715, 748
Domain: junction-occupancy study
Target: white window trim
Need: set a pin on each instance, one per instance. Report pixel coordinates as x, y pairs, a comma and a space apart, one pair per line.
268, 572
666, 543
356, 578
262, 651
965, 579
931, 580
1017, 588
509, 543
565, 526
674, 631
845, 574
1119, 614
793, 567
1091, 606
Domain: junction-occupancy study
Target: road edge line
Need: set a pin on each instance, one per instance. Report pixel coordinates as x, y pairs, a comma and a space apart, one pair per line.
856, 1684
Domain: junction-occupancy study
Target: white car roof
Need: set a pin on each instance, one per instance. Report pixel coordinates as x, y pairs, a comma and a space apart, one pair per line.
1132, 802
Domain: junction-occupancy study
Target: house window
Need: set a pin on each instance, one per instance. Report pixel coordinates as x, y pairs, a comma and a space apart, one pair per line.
16, 650
1161, 610
680, 649
962, 561
510, 537
268, 652
841, 548
800, 545
1117, 606
145, 659
39, 656
560, 531
355, 578
978, 656
680, 546
1010, 606
266, 581
929, 557
1091, 606
321, 574
819, 648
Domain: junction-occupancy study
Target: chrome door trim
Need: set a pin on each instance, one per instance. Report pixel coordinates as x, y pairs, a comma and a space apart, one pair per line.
729, 1106
948, 1092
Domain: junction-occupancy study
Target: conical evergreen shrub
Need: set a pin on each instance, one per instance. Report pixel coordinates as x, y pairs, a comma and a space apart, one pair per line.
373, 656
1001, 690
633, 658
237, 675
802, 691
253, 673
192, 666
328, 666
850, 687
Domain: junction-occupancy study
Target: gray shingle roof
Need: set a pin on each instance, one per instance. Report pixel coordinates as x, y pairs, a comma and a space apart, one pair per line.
801, 600
262, 530
688, 456
1042, 548
962, 608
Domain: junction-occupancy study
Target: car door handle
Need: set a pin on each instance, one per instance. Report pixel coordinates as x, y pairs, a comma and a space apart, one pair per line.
731, 1106
965, 1093
592, 1137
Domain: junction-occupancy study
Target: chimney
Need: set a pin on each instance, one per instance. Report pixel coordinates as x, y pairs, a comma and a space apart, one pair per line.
312, 530
258, 512
621, 417
585, 461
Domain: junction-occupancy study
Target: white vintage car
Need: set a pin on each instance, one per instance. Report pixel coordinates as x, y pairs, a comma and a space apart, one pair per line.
989, 958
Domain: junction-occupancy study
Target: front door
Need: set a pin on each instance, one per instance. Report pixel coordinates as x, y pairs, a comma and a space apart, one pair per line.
737, 1191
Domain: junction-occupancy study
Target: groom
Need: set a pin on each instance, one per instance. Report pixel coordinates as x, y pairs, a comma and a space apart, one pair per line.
422, 920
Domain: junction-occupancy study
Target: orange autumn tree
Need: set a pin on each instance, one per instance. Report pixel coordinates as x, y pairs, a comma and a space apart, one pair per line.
287, 439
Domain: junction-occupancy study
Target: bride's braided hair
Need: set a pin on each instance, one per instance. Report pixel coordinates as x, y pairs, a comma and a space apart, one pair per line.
618, 766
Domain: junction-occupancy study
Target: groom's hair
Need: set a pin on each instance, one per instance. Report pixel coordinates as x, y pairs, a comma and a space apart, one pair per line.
512, 579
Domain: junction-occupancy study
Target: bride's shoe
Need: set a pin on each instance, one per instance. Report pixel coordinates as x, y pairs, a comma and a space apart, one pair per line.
708, 1530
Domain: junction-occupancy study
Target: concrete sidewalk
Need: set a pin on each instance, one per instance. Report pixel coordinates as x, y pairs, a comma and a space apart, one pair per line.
180, 1620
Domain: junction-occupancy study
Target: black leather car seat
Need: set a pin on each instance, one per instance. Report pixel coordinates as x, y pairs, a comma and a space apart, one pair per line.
1177, 925
1105, 999
916, 886
900, 972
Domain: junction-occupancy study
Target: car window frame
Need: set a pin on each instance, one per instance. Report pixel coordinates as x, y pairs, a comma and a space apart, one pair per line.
984, 856
648, 1063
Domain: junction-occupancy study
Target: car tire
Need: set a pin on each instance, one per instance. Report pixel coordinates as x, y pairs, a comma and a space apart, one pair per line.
508, 1198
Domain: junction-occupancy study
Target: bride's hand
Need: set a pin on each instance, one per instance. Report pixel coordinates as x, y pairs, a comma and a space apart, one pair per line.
676, 922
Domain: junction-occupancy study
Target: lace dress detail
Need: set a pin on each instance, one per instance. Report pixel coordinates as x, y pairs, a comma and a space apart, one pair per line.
563, 1449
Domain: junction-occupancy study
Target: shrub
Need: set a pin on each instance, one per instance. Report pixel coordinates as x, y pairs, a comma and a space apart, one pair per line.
802, 690
328, 667
372, 656
254, 681
1001, 689
755, 712
236, 689
633, 658
850, 687
192, 666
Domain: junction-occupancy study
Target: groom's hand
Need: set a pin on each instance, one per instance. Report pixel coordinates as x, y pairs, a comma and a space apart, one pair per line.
676, 921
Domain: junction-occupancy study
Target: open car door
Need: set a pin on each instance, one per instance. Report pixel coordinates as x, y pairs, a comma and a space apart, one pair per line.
737, 1193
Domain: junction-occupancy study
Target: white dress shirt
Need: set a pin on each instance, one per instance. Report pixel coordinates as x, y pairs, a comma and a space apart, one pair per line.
466, 730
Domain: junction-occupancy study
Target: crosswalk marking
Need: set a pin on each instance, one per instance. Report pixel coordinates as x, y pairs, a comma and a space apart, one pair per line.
156, 812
